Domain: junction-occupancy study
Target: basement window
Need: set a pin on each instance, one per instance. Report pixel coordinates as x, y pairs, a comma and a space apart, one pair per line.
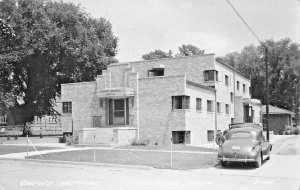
181, 137
156, 72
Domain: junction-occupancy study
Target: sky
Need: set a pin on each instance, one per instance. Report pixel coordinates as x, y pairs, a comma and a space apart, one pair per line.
146, 25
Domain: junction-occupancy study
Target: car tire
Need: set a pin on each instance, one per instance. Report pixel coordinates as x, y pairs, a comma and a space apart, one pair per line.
259, 161
224, 163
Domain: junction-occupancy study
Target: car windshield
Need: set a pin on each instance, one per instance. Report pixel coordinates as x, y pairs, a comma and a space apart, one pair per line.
239, 135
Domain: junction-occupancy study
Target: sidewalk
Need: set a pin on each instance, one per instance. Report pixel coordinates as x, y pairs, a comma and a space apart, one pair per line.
22, 155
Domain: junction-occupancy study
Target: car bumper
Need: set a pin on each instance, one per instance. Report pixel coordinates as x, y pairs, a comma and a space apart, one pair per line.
237, 159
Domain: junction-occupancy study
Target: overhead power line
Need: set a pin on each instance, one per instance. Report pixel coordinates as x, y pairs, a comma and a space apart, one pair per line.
249, 28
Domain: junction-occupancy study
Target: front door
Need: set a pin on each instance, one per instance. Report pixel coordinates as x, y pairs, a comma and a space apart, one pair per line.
118, 111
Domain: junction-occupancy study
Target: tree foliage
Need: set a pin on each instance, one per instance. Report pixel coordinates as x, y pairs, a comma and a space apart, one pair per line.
157, 54
284, 69
189, 50
54, 43
184, 50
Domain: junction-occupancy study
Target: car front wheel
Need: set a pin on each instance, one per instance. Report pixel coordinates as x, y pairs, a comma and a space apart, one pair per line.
223, 163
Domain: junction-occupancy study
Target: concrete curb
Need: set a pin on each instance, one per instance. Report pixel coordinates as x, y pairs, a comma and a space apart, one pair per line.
76, 164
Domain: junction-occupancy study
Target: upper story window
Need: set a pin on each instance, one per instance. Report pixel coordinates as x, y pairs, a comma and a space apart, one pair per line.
219, 107
244, 88
238, 85
210, 107
211, 75
231, 96
67, 107
156, 72
226, 80
198, 104
227, 108
180, 102
250, 91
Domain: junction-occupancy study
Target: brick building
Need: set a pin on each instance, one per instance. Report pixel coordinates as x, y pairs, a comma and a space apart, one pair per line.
187, 98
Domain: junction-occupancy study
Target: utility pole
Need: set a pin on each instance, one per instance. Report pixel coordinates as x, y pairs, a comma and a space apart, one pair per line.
267, 93
297, 105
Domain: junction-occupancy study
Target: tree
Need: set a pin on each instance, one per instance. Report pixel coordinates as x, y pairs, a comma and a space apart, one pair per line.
189, 50
54, 43
284, 66
157, 54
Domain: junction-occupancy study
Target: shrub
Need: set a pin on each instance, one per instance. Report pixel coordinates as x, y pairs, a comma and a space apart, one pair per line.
71, 140
16, 137
61, 140
296, 131
141, 142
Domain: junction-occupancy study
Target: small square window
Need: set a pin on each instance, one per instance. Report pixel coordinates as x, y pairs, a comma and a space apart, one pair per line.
67, 107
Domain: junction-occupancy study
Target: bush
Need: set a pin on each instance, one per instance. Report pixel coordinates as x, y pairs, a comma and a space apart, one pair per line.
141, 142
16, 137
61, 140
296, 131
71, 140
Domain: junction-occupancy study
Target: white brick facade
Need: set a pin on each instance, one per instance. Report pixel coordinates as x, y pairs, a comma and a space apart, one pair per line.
127, 102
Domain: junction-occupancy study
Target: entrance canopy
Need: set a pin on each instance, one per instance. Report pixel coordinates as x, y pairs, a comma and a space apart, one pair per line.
115, 92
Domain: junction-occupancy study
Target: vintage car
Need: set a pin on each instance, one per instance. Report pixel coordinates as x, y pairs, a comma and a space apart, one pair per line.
244, 144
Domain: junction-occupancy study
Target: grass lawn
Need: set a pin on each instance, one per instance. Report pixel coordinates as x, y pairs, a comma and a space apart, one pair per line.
8, 149
176, 147
125, 157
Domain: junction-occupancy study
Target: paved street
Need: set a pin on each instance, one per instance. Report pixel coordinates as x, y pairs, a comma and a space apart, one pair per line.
281, 172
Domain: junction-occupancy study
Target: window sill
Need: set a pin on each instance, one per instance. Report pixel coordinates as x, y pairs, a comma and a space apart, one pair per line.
199, 111
210, 112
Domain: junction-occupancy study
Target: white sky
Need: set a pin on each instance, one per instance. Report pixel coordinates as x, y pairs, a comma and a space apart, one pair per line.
146, 25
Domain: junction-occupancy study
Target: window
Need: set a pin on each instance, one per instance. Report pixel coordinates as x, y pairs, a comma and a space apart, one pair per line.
156, 72
210, 106
238, 85
227, 109
219, 107
181, 137
231, 96
211, 75
67, 107
244, 88
210, 135
118, 111
198, 104
180, 102
250, 90
226, 80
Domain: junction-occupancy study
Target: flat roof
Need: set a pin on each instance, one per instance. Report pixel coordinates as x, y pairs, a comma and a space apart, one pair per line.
163, 59
200, 85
